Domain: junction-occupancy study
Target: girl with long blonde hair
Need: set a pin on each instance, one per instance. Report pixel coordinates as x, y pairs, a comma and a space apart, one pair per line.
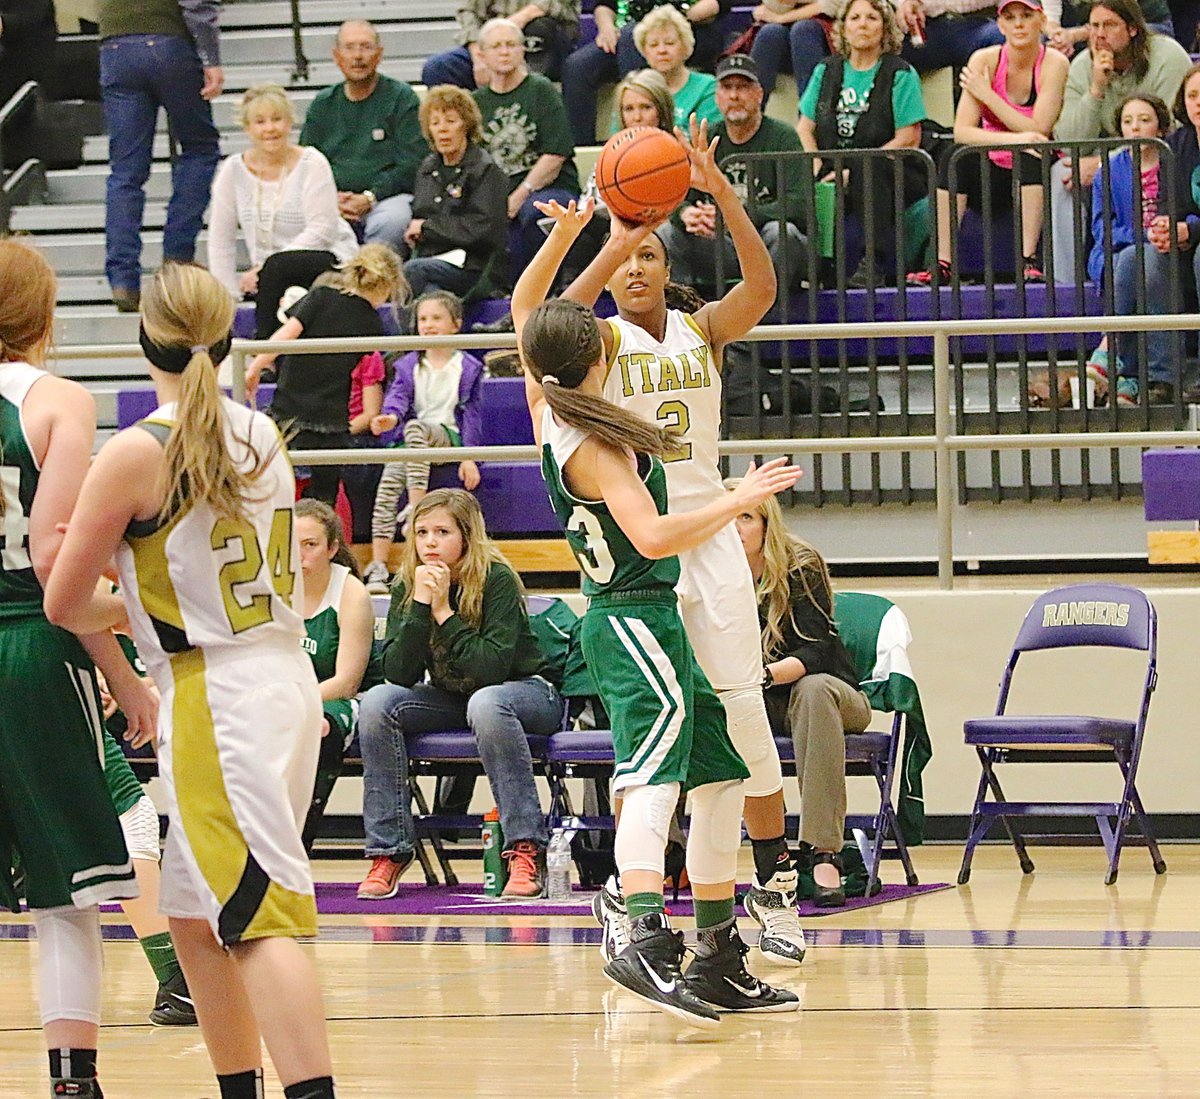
57, 820
458, 650
810, 680
196, 504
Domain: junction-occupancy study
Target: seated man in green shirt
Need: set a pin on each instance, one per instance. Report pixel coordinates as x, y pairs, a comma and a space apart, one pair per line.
698, 258
367, 128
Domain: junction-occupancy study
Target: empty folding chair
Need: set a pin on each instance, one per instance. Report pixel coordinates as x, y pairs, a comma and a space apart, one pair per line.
1081, 615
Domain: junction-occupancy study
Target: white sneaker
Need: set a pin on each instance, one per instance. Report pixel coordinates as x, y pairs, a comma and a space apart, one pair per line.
376, 578
773, 907
608, 906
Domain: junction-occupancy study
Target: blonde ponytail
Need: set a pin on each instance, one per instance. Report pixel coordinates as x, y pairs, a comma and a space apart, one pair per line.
185, 307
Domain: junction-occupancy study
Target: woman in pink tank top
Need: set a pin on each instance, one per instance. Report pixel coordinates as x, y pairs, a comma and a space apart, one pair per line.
1012, 95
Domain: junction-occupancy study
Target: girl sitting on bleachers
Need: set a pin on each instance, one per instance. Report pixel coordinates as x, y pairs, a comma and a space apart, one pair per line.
339, 625
434, 400
458, 652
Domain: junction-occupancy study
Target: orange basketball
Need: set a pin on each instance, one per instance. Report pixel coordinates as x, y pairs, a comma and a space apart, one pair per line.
642, 174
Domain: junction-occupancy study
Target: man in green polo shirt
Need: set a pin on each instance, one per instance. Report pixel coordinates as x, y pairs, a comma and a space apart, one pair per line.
367, 128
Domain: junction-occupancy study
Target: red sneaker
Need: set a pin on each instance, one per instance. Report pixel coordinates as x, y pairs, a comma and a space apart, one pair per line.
383, 879
526, 870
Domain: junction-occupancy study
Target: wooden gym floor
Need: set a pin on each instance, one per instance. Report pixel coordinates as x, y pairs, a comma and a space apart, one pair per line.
1049, 984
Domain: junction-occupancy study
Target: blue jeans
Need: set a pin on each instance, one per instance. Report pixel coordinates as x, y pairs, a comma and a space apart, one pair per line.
805, 42
1164, 350
525, 236
501, 717
138, 74
694, 258
950, 40
431, 273
387, 221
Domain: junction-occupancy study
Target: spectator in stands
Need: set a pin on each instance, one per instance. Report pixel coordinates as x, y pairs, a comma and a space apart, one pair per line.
1122, 59
614, 54
339, 626
525, 129
946, 32
282, 198
459, 215
810, 683
458, 651
550, 28
666, 40
159, 53
1133, 181
778, 214
1067, 22
796, 33
1011, 94
367, 128
435, 399
312, 394
1171, 245
867, 98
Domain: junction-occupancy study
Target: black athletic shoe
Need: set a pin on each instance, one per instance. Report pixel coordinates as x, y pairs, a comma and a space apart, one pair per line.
650, 968
722, 980
173, 1005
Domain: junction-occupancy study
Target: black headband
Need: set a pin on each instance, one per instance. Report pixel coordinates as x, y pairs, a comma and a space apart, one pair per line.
174, 360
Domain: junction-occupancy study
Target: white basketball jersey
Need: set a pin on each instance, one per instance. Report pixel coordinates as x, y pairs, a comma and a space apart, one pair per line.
198, 581
677, 385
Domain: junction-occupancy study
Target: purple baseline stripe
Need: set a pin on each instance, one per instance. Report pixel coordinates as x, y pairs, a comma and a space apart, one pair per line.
340, 899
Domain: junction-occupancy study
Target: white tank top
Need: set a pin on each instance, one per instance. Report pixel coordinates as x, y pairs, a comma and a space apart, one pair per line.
202, 582
675, 384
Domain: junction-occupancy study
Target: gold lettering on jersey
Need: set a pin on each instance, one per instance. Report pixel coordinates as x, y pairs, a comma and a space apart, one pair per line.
668, 376
689, 370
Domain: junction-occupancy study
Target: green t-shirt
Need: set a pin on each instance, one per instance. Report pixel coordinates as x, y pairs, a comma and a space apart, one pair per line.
119, 17
698, 96
757, 183
908, 105
524, 124
374, 144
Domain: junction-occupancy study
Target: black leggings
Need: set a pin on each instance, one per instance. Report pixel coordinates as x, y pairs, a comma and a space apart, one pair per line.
973, 172
279, 271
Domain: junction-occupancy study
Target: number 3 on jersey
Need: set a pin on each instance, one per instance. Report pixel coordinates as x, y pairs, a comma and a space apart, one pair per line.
596, 560
675, 418
244, 569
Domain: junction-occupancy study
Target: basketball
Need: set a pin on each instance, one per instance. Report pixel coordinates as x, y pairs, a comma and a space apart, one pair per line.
643, 174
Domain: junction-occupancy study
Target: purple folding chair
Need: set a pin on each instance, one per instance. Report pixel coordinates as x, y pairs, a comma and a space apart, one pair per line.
1101, 615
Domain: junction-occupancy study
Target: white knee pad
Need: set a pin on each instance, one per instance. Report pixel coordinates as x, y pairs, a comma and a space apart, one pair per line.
645, 820
746, 715
716, 832
69, 963
140, 824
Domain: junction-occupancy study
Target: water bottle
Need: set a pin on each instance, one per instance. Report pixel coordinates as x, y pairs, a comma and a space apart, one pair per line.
558, 866
493, 862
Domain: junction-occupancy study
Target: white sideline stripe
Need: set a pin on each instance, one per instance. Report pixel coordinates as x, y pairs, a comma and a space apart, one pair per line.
628, 630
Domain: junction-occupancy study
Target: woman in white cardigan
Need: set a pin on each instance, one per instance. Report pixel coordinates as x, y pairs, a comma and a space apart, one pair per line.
283, 199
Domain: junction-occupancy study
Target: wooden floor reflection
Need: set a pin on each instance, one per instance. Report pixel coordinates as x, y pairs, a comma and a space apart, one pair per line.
1042, 985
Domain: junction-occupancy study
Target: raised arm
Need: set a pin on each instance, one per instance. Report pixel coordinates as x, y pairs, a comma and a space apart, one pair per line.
746, 303
655, 536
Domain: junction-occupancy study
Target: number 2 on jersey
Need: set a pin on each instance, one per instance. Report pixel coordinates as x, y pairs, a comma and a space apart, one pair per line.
244, 569
675, 418
597, 560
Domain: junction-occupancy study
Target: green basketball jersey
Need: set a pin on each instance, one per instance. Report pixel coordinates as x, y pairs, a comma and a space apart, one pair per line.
322, 632
20, 592
609, 561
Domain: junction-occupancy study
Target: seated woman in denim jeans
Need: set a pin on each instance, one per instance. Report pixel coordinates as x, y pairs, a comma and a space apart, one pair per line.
458, 651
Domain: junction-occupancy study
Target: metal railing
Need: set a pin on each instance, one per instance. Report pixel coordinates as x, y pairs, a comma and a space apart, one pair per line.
943, 442
28, 180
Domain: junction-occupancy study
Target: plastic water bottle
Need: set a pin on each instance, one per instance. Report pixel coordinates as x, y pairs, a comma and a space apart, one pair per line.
493, 863
558, 866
